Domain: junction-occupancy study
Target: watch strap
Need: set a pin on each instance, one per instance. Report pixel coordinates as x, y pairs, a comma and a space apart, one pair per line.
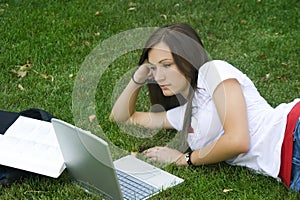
188, 158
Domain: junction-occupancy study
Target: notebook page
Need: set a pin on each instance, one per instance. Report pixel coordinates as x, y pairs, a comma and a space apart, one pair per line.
31, 145
33, 130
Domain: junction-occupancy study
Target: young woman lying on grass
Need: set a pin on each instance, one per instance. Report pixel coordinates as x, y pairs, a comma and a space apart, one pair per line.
217, 108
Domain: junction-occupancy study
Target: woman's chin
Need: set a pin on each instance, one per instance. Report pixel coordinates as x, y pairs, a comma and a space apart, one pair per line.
168, 93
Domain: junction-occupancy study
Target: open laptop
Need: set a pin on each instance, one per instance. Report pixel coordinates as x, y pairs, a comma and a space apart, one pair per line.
89, 163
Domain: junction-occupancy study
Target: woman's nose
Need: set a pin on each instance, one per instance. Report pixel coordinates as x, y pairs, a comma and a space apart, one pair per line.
159, 74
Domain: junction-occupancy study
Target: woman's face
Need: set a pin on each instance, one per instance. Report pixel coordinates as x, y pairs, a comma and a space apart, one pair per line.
166, 72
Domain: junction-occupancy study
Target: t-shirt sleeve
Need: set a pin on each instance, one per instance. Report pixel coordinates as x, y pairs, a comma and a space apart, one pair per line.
175, 117
217, 71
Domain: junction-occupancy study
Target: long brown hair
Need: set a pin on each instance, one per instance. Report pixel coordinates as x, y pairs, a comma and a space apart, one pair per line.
189, 55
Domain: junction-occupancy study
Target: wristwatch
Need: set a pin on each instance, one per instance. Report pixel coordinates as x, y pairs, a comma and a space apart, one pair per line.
188, 158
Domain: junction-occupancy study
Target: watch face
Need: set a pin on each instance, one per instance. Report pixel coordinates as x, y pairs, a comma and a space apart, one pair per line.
187, 157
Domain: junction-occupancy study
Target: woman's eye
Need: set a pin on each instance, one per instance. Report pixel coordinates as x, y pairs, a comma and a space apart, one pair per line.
167, 65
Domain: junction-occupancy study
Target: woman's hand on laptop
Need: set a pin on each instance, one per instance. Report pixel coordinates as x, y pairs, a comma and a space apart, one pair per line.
163, 155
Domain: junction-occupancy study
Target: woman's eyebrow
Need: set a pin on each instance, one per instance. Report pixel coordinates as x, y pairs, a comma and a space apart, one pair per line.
165, 59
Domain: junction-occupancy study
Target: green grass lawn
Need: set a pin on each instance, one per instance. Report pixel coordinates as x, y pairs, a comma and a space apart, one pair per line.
260, 37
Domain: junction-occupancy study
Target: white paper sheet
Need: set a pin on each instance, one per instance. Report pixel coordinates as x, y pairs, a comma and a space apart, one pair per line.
31, 145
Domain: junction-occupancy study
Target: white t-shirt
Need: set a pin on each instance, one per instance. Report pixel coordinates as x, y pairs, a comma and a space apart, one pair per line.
266, 124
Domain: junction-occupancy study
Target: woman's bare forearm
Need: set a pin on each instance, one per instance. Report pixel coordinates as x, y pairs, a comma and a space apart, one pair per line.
124, 107
226, 147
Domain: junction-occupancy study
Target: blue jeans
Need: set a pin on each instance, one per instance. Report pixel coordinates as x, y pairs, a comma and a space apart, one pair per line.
295, 176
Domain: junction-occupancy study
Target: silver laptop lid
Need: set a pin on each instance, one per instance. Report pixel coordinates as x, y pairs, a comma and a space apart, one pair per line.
88, 160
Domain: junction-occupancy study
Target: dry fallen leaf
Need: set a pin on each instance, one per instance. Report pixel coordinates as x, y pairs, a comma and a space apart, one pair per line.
86, 43
47, 76
20, 74
283, 76
243, 21
131, 9
27, 66
24, 69
130, 4
71, 43
21, 87
227, 190
92, 118
44, 75
262, 56
267, 76
164, 16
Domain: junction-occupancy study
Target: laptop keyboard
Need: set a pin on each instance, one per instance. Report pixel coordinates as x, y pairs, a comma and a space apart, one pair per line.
133, 188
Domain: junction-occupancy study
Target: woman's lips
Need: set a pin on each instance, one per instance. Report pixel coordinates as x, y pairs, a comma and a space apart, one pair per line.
163, 87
